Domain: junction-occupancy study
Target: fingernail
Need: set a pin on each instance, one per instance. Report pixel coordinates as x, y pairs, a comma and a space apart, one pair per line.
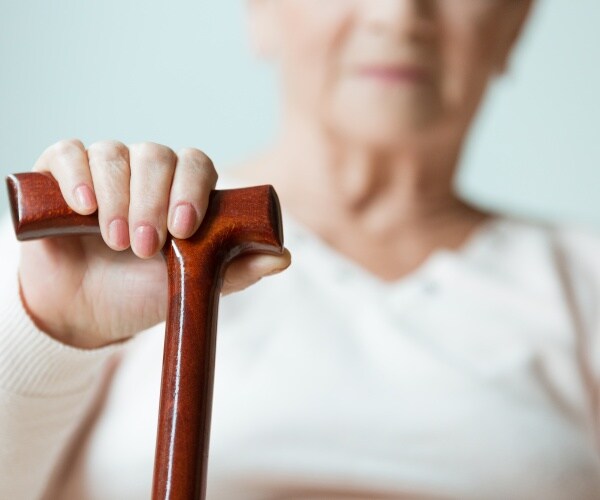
145, 240
270, 264
118, 233
276, 271
184, 219
85, 197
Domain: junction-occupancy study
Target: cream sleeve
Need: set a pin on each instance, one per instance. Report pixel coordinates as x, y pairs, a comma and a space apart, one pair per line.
579, 257
579, 263
46, 387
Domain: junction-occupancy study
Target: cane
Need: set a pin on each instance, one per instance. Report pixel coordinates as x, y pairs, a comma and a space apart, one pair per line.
237, 221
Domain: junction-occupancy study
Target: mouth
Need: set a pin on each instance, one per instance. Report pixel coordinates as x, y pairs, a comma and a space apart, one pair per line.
394, 74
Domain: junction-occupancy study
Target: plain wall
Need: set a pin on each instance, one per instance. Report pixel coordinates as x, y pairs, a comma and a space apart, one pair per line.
180, 73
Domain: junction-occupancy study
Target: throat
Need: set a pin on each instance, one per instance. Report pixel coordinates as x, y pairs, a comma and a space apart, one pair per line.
392, 255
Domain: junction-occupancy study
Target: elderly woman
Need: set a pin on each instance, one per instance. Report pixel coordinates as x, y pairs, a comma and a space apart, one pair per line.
419, 347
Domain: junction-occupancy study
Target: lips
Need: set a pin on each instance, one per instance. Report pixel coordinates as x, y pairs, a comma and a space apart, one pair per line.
394, 73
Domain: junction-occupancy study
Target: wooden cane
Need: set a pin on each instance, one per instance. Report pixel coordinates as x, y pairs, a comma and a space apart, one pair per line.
238, 221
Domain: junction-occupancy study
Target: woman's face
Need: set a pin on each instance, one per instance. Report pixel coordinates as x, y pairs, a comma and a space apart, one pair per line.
385, 71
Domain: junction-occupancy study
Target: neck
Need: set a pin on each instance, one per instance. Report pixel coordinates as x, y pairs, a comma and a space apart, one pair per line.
380, 190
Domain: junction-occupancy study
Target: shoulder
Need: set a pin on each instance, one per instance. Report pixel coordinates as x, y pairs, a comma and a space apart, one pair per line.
574, 241
540, 256
578, 250
577, 247
564, 258
574, 244
582, 242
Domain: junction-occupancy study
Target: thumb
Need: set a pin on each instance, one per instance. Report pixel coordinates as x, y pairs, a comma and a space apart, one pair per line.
247, 270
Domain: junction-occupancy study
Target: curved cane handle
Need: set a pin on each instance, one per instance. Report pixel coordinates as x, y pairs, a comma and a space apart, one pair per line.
237, 221
39, 210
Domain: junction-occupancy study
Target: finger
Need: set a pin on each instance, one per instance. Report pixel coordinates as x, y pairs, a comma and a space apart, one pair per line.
109, 166
247, 270
195, 177
68, 163
152, 167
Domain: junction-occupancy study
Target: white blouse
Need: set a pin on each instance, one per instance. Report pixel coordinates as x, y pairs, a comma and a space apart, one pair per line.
474, 377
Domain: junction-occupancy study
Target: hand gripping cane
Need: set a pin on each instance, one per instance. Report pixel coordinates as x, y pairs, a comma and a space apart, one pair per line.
237, 221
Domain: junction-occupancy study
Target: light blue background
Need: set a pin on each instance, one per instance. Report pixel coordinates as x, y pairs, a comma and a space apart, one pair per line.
180, 73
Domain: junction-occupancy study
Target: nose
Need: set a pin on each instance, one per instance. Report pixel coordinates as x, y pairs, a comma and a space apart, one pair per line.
401, 18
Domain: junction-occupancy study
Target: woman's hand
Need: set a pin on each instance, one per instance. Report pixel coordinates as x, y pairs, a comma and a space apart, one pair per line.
89, 291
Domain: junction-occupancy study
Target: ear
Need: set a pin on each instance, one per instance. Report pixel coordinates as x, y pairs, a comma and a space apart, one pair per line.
262, 27
520, 13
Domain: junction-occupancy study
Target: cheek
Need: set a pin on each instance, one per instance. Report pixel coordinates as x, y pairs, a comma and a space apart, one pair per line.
468, 57
311, 33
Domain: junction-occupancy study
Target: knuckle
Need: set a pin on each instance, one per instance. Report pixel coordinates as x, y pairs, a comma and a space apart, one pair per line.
237, 283
151, 202
67, 148
109, 162
230, 282
109, 151
115, 176
196, 157
198, 160
151, 153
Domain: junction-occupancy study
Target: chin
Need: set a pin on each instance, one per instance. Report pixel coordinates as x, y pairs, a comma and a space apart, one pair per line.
385, 132
385, 123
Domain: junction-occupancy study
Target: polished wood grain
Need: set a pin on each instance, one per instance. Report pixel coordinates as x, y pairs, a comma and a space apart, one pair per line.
238, 221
